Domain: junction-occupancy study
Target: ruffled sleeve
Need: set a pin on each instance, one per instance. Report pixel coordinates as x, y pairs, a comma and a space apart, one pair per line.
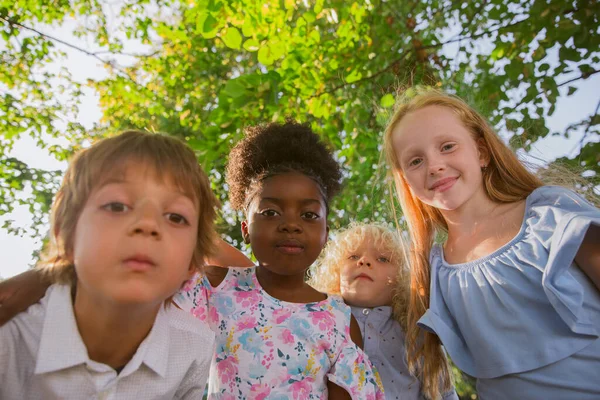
527, 304
565, 290
353, 372
193, 296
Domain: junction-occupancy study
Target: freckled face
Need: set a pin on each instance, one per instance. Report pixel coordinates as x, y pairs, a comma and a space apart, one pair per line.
439, 158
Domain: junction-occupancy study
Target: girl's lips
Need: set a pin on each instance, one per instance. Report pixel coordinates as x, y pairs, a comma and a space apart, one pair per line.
364, 276
290, 247
443, 184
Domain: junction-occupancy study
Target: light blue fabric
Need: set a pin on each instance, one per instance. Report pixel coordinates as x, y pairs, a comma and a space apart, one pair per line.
525, 317
383, 341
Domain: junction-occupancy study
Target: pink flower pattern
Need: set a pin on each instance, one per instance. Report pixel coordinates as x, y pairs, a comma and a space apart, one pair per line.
267, 348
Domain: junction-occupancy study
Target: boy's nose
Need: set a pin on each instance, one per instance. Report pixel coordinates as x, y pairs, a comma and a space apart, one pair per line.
147, 222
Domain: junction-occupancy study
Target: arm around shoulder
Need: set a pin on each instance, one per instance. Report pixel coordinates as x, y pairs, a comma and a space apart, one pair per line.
228, 256
20, 292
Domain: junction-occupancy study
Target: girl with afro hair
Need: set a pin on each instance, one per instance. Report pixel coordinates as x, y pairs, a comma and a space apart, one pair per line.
277, 337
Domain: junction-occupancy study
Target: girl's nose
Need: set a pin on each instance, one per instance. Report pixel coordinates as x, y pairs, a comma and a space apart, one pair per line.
363, 261
436, 168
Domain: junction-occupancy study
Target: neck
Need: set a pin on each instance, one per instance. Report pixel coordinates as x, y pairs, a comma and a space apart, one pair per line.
468, 218
282, 287
112, 332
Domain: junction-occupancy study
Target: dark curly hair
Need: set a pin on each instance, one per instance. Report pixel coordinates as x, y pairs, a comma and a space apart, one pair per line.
274, 149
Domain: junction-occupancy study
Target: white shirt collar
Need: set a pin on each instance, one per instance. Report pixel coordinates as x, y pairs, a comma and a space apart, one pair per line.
61, 345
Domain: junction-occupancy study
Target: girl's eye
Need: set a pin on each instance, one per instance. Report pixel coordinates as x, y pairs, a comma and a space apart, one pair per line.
269, 213
116, 207
383, 259
448, 146
177, 219
310, 215
353, 257
414, 162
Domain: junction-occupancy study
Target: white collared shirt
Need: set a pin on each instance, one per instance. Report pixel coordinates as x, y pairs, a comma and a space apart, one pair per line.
42, 356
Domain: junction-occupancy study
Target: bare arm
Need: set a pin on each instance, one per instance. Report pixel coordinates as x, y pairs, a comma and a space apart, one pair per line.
228, 256
588, 256
19, 292
355, 334
336, 392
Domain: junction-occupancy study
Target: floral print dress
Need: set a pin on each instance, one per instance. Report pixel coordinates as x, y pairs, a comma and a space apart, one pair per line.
272, 349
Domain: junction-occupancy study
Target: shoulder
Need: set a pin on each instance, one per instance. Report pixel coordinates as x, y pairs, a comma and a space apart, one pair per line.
20, 337
557, 197
32, 319
185, 330
181, 321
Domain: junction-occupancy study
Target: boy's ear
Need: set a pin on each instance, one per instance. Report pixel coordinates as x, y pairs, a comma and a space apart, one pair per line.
484, 152
245, 233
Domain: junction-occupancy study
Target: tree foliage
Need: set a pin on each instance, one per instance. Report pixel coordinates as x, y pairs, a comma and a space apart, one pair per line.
210, 67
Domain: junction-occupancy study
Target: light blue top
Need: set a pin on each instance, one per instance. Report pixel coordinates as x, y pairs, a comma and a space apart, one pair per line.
383, 341
524, 320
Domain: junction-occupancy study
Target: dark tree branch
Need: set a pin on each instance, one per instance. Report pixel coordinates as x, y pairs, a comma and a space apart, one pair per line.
376, 74
474, 36
582, 76
111, 64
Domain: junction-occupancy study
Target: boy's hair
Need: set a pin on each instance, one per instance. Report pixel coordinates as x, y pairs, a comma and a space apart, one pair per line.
274, 149
505, 180
168, 157
325, 274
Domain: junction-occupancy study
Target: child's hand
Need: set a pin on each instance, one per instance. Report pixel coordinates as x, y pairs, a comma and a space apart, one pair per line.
19, 292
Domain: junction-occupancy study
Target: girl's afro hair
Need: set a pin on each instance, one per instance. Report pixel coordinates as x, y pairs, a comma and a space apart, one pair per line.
275, 148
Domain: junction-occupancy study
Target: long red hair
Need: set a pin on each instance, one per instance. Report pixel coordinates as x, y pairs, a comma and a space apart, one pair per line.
505, 180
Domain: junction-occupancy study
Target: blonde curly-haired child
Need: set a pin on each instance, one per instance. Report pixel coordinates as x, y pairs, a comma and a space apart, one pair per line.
366, 265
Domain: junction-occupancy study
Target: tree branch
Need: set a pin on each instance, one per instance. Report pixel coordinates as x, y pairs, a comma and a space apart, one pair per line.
376, 74
119, 69
475, 36
582, 76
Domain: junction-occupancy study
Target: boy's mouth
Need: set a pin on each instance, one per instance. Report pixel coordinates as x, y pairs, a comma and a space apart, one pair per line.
290, 246
139, 262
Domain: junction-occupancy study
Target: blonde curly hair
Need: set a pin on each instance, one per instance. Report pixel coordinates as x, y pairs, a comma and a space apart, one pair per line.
324, 275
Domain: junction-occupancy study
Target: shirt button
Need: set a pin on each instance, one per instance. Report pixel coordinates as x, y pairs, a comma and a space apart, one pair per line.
366, 311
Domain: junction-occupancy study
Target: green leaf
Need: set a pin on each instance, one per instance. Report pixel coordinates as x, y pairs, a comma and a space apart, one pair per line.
353, 76
265, 56
387, 101
251, 45
572, 89
234, 88
232, 38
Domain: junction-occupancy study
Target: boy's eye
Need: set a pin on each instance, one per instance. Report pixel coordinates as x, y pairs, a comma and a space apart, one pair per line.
310, 215
383, 259
116, 207
177, 219
353, 257
269, 213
